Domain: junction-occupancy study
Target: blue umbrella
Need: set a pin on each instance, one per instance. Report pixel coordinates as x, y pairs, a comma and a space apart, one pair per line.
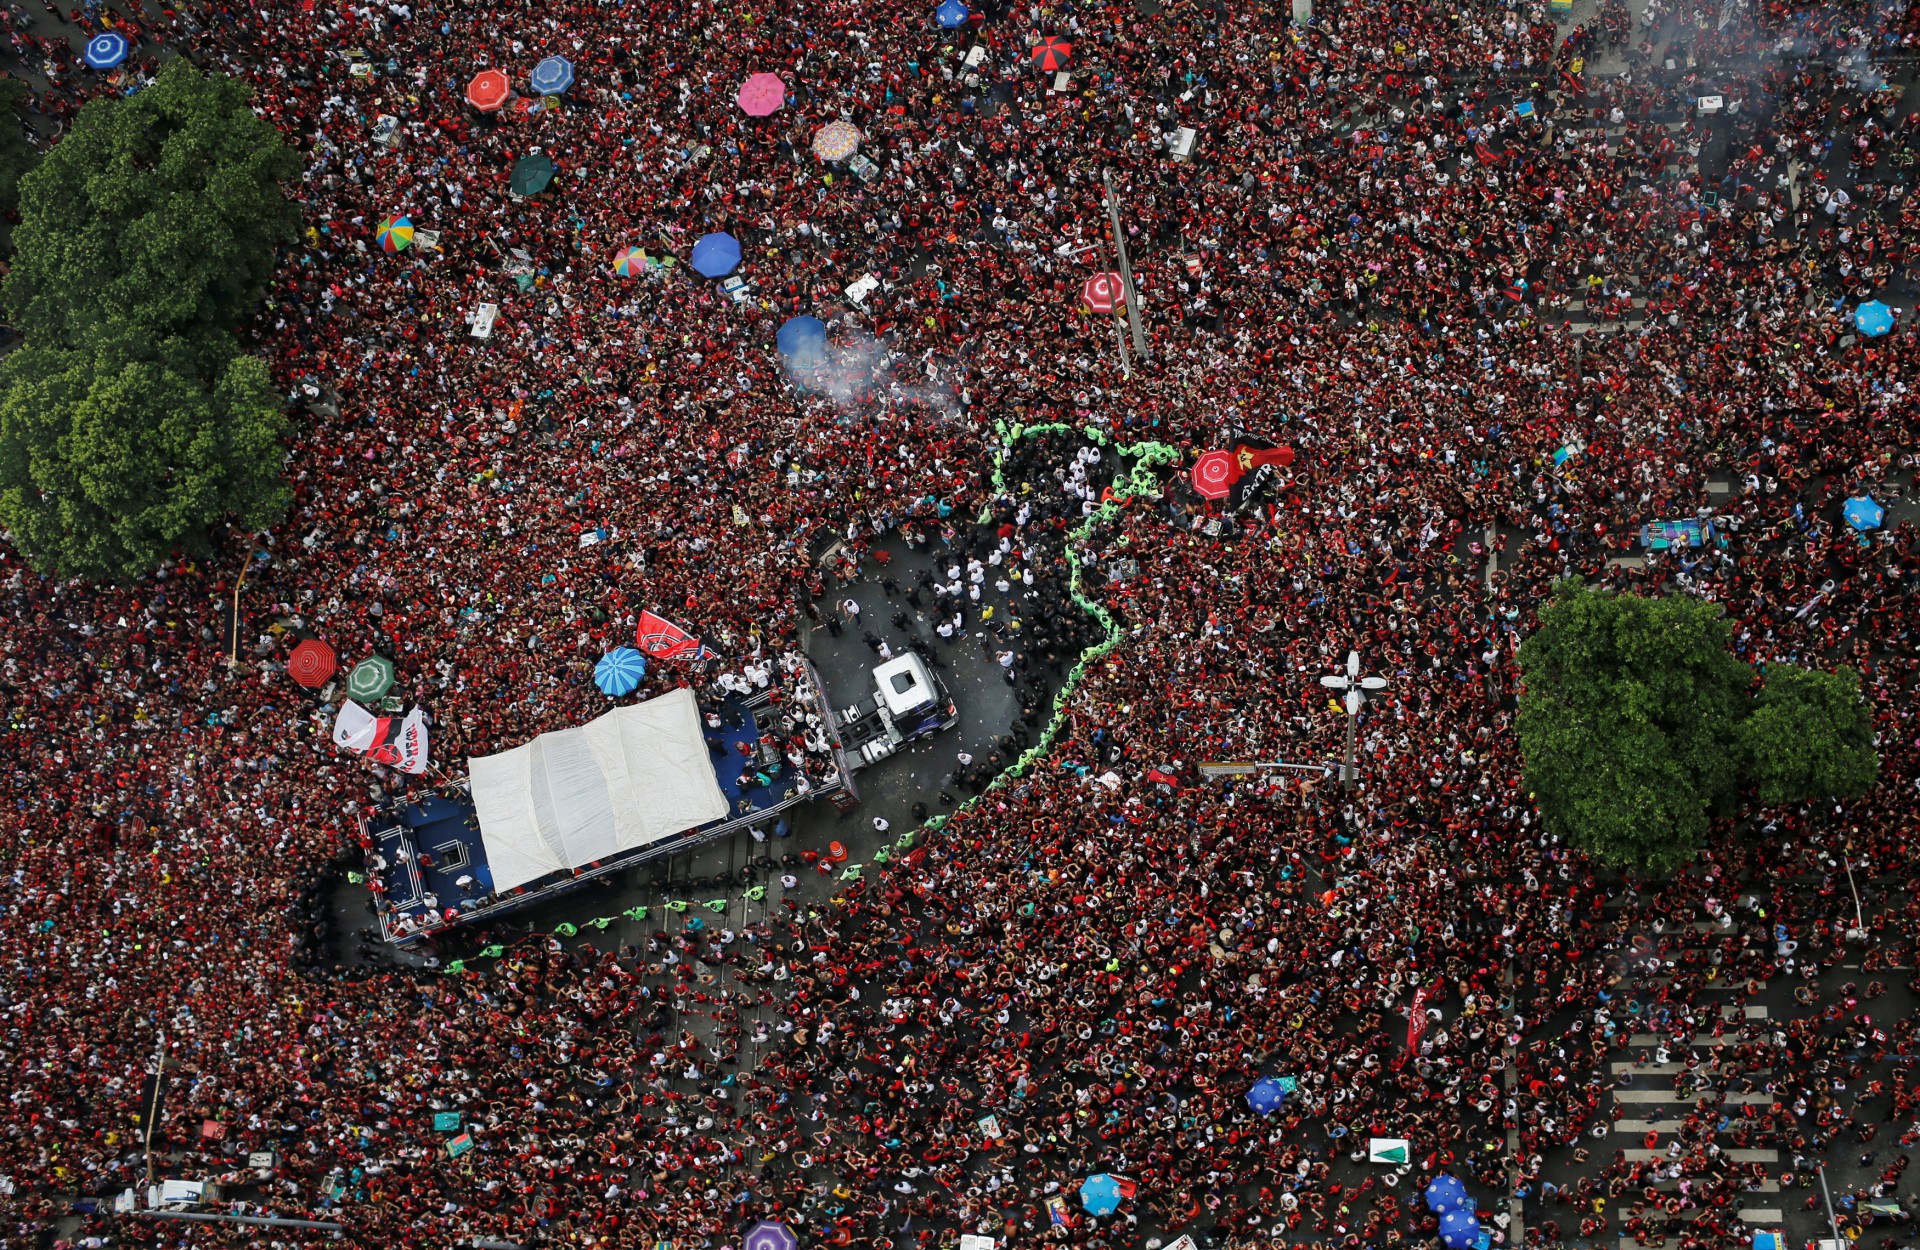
1873, 319
803, 341
553, 75
1445, 1192
951, 14
1459, 1229
106, 50
1100, 1194
1863, 513
716, 255
619, 671
1267, 1095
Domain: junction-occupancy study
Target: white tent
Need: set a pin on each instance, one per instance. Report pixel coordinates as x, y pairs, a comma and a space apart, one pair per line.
633, 777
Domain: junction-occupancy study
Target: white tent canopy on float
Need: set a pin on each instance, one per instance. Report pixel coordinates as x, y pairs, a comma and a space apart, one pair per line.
631, 778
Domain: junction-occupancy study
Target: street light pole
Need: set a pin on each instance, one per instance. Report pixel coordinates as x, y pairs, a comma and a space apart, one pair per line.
239, 583
1126, 267
1859, 920
1839, 1242
1355, 686
153, 1110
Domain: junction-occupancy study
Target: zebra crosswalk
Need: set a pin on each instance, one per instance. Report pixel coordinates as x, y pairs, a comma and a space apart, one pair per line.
1648, 1113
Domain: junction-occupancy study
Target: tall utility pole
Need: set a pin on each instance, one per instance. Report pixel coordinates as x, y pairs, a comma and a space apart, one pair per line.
1126, 266
1826, 1195
153, 1110
1859, 920
1355, 685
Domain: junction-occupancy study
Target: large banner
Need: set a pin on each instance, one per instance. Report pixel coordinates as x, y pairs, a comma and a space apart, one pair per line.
402, 744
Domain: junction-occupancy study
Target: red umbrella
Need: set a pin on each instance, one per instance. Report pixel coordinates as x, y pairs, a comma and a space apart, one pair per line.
1102, 292
1052, 55
1214, 474
311, 663
489, 90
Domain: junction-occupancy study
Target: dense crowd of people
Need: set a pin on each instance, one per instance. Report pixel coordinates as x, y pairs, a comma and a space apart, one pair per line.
1374, 259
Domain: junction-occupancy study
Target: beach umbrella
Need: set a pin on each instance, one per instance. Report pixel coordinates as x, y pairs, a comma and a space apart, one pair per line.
1459, 1229
1873, 319
762, 94
1266, 1096
715, 255
836, 141
951, 14
489, 90
311, 663
1051, 55
770, 1235
532, 174
370, 678
1102, 292
1213, 475
1445, 1193
1100, 1194
619, 671
802, 341
106, 50
1863, 513
629, 261
553, 75
394, 234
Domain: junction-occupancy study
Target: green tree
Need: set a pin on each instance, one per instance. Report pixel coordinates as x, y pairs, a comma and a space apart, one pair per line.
112, 459
16, 154
129, 424
1628, 723
162, 210
1810, 737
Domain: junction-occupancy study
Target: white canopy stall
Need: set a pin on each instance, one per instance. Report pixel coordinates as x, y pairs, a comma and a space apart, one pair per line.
636, 776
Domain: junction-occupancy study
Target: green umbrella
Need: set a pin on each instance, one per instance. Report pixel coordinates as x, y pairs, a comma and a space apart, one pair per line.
370, 679
532, 174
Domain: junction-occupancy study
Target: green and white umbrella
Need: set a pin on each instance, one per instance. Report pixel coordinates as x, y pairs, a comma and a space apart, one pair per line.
370, 679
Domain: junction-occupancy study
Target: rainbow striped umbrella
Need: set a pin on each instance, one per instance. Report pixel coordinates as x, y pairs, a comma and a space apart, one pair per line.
395, 234
629, 262
836, 141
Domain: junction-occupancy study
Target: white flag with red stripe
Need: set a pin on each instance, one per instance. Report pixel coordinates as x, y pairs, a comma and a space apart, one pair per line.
359, 730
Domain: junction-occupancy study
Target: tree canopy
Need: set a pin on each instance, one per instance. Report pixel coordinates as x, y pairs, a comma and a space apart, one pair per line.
129, 424
17, 156
1810, 736
1638, 724
162, 209
109, 462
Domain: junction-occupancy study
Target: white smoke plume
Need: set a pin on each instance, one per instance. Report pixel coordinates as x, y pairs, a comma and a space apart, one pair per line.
857, 370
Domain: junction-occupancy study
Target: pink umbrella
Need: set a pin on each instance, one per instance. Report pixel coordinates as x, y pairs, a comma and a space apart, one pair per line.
762, 94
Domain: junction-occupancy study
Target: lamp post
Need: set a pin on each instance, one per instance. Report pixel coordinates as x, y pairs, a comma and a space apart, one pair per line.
1355, 686
153, 1111
1859, 931
1826, 1197
1126, 265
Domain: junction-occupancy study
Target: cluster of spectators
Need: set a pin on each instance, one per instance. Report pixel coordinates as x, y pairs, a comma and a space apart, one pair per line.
1378, 257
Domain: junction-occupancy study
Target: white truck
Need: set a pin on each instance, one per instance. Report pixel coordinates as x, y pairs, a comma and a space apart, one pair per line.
907, 702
